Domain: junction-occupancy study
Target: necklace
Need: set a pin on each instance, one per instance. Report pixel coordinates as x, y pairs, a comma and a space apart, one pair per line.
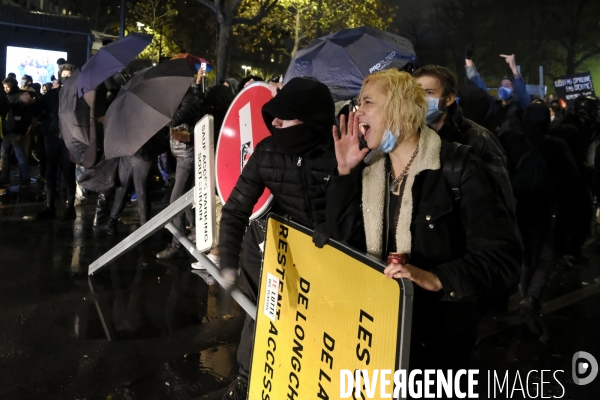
396, 181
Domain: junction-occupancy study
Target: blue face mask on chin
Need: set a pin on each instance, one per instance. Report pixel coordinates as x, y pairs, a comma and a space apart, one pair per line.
388, 141
433, 110
505, 93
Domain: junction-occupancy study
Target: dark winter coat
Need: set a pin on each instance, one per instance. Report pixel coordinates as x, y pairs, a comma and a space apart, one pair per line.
560, 164
187, 115
22, 113
296, 183
217, 102
470, 245
49, 113
577, 130
508, 118
485, 145
596, 177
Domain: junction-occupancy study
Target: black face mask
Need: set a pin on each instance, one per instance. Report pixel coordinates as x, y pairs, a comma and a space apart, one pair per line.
298, 139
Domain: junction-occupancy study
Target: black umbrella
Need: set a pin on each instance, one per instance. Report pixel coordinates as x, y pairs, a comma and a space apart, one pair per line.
80, 132
110, 59
144, 106
343, 59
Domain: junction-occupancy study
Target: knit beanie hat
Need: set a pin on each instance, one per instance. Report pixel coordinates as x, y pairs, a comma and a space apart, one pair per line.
307, 100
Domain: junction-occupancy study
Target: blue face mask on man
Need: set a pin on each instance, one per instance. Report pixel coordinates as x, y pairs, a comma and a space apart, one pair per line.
433, 109
505, 93
388, 141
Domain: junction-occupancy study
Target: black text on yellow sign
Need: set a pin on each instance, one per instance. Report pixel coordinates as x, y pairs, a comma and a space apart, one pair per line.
320, 311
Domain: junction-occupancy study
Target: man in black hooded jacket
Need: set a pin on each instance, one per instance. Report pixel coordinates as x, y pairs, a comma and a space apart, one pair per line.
578, 129
21, 116
216, 103
536, 200
57, 155
448, 121
294, 164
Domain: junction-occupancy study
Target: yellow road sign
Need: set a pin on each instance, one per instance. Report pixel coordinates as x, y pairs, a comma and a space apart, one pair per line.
321, 311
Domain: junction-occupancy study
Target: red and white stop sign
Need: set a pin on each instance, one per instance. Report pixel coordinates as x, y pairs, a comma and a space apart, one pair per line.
242, 129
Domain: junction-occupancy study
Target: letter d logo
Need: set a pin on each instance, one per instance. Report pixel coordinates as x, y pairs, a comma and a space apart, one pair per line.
590, 364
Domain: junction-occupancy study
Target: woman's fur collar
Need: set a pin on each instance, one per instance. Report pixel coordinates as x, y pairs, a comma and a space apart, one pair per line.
374, 186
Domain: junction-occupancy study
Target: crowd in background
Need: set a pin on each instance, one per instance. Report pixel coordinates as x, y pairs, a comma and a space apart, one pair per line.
539, 157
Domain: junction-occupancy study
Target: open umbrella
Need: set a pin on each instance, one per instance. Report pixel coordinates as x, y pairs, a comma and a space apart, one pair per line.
343, 59
194, 60
79, 128
144, 106
110, 59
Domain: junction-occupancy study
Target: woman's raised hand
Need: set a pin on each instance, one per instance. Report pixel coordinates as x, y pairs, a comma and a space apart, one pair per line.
347, 145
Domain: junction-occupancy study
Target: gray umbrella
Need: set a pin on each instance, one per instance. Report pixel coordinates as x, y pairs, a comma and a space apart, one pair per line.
144, 106
343, 59
79, 128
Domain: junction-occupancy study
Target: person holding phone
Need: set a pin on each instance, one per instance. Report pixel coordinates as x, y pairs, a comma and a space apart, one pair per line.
199, 83
182, 147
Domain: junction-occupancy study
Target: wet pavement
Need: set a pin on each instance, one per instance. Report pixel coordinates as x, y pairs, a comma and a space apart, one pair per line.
141, 328
168, 338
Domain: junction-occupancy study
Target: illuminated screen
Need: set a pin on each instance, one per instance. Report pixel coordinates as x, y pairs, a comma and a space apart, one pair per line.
39, 64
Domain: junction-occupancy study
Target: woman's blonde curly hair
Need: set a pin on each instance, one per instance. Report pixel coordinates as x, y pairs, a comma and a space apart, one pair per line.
405, 107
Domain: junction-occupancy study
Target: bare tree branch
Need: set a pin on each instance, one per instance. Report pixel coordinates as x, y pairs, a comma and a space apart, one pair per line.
586, 56
208, 4
265, 8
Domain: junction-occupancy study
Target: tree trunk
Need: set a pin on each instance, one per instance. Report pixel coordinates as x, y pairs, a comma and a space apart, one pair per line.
296, 34
319, 8
98, 8
225, 10
225, 30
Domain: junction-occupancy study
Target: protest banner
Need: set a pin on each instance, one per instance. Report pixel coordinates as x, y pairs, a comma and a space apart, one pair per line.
571, 87
322, 311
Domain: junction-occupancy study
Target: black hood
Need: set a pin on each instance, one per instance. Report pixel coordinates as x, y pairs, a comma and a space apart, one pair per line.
475, 103
536, 119
219, 97
307, 100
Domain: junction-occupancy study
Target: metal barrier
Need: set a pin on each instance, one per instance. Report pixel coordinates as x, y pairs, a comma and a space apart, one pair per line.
148, 229
163, 220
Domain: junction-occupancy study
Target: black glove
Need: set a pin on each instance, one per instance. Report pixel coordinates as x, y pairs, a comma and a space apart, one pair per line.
320, 236
469, 50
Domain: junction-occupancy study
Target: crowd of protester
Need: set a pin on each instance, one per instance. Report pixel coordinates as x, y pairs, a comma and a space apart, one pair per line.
483, 193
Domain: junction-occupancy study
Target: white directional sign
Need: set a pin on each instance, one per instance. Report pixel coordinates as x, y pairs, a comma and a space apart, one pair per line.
204, 191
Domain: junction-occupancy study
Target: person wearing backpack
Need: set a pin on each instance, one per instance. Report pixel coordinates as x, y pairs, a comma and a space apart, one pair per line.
445, 116
542, 170
578, 129
460, 238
